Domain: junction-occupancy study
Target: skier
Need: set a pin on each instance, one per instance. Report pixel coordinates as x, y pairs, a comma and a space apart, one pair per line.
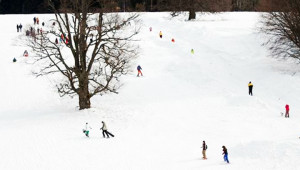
34, 20
43, 24
173, 40
25, 54
150, 29
160, 34
250, 85
104, 131
287, 111
56, 41
204, 148
18, 28
192, 51
139, 68
225, 153
86, 131
37, 20
14, 60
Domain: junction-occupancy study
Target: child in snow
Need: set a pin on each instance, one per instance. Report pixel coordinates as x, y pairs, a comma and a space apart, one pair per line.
287, 111
86, 131
25, 53
139, 68
204, 148
160, 34
104, 130
250, 86
225, 153
192, 51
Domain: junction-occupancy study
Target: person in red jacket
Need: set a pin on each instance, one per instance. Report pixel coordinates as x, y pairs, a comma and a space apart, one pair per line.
287, 110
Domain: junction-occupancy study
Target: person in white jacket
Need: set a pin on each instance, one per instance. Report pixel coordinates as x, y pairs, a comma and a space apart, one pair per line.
104, 130
86, 131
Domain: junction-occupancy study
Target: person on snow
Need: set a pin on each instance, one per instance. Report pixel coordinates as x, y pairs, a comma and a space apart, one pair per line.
160, 34
37, 20
225, 153
56, 41
18, 28
204, 148
104, 130
150, 29
250, 86
192, 51
34, 20
25, 54
14, 60
43, 24
287, 111
173, 40
139, 68
86, 130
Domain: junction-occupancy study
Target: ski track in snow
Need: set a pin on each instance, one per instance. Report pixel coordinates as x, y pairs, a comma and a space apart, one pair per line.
161, 119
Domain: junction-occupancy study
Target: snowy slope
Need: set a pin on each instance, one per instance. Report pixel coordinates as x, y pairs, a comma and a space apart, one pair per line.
161, 119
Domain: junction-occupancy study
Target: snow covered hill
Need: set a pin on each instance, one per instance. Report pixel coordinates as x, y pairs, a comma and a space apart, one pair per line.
160, 119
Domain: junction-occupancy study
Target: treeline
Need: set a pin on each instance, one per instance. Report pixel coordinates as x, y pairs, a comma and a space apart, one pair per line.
41, 6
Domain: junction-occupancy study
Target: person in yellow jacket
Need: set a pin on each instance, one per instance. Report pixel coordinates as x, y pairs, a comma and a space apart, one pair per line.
250, 86
160, 34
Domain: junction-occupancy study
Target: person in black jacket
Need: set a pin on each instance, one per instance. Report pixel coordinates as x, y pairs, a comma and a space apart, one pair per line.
250, 86
225, 153
204, 148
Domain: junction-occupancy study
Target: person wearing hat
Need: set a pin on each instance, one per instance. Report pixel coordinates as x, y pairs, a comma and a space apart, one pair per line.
86, 131
104, 130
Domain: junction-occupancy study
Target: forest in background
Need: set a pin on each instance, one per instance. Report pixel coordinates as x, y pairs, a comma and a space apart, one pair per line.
41, 6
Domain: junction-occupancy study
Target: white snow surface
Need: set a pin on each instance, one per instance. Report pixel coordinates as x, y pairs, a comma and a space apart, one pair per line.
159, 120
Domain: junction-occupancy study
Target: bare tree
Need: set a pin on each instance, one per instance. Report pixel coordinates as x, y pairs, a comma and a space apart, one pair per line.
193, 6
95, 48
283, 29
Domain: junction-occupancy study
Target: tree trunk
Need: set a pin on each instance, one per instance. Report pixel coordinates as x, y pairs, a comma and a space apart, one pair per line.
192, 14
84, 95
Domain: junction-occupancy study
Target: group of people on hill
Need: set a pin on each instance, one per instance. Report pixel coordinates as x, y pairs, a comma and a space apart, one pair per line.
204, 148
19, 27
87, 128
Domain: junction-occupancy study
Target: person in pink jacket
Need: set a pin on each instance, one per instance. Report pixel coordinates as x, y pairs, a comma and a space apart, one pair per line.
287, 110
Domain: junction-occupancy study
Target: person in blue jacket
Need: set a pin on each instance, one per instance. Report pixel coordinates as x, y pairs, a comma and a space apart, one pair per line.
139, 68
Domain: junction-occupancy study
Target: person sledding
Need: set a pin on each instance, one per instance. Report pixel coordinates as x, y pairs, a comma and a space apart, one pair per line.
104, 131
160, 34
86, 130
25, 54
139, 69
